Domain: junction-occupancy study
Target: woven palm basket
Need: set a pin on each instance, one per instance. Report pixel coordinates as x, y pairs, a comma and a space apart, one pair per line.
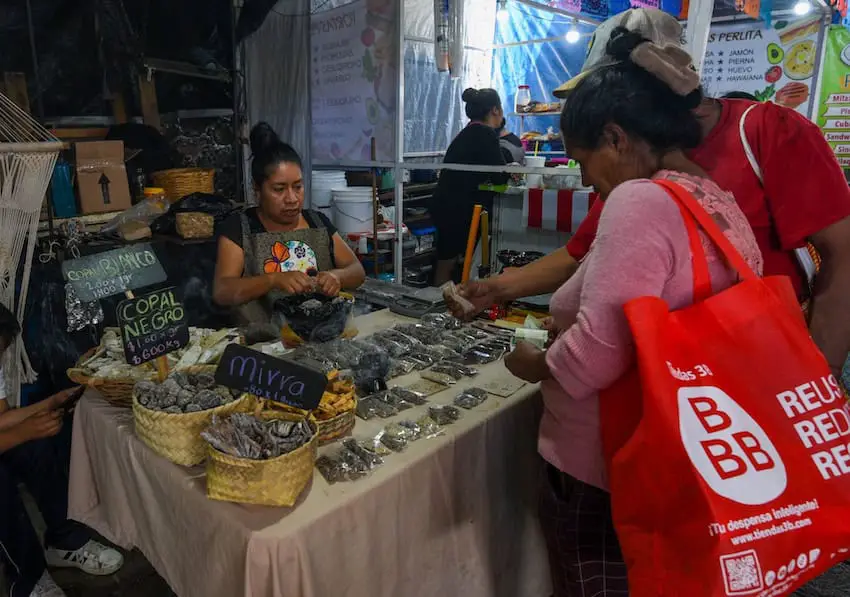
177, 437
275, 482
118, 391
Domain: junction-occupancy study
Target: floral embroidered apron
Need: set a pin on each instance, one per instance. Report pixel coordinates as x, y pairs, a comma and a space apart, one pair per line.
301, 250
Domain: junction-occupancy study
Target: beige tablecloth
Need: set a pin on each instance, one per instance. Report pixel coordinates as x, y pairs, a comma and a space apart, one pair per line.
453, 515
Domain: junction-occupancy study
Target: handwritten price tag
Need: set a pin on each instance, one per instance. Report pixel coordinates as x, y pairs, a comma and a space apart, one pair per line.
152, 325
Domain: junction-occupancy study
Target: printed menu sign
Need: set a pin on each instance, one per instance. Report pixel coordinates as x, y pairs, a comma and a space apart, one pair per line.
774, 64
834, 110
354, 77
114, 272
152, 326
268, 377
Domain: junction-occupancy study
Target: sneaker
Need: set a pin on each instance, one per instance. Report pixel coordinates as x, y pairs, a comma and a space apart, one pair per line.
45, 587
92, 558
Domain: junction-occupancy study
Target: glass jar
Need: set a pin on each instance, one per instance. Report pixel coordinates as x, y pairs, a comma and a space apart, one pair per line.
156, 194
523, 99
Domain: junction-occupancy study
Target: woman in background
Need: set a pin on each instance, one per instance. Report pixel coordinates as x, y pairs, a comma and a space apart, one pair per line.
457, 192
279, 248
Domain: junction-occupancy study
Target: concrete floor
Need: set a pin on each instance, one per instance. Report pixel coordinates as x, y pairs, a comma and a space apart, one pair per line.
138, 578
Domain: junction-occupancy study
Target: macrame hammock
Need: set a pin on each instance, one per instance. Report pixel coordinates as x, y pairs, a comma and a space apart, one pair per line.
28, 154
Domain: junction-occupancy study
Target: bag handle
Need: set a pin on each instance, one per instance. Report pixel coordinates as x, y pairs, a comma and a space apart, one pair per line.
803, 254
694, 214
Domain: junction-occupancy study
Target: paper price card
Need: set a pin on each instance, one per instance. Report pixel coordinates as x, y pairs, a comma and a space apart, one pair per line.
152, 326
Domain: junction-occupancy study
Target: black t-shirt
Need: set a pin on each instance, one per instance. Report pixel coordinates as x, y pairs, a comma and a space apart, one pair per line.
476, 144
232, 226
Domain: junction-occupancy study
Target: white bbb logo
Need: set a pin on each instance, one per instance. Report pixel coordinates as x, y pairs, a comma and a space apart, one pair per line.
730, 450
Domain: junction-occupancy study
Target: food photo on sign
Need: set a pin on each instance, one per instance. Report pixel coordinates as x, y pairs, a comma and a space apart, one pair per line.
775, 64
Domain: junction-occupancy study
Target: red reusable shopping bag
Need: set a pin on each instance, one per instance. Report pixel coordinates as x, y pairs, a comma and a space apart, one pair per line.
727, 444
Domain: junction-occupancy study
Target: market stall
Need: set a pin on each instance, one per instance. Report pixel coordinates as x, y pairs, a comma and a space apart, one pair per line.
451, 514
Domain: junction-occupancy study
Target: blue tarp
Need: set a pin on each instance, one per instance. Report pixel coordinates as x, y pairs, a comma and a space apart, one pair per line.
542, 66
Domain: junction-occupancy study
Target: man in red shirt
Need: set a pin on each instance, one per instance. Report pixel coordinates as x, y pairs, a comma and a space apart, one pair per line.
804, 197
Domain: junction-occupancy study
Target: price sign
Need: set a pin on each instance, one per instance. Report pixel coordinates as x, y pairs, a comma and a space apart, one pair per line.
268, 377
152, 325
114, 272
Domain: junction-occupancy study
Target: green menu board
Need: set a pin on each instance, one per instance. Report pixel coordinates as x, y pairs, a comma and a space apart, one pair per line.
834, 108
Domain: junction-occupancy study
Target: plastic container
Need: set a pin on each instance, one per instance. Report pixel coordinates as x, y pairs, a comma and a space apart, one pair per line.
523, 98
323, 184
352, 210
533, 181
62, 192
155, 193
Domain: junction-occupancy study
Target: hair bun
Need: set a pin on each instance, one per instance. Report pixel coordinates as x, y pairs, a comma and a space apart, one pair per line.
622, 42
263, 138
469, 95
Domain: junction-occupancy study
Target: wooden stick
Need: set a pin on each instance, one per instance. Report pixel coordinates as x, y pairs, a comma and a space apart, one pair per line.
470, 243
374, 153
485, 240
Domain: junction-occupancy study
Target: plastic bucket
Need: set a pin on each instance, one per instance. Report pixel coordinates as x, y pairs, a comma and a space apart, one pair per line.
323, 183
534, 180
353, 210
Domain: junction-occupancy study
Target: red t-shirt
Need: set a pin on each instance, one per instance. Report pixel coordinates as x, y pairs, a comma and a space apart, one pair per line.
804, 188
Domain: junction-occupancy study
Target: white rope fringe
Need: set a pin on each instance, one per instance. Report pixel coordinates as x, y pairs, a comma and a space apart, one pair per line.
24, 176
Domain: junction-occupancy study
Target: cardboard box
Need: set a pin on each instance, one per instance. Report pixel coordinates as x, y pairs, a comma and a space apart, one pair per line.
102, 177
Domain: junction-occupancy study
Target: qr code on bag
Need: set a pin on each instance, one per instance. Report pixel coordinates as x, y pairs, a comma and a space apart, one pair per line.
741, 572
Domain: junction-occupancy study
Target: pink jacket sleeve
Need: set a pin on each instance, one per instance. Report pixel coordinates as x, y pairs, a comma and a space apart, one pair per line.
635, 254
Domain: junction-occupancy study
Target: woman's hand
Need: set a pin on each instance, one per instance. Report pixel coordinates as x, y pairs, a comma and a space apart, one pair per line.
528, 362
550, 326
328, 283
480, 293
292, 282
40, 425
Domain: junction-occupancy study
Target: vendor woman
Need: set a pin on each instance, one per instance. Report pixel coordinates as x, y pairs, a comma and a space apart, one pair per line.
458, 192
278, 248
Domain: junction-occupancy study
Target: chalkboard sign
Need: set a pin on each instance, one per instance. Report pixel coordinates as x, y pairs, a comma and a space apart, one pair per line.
114, 272
268, 377
152, 326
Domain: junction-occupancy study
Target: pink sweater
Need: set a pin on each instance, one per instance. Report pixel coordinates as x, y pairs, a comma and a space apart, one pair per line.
641, 249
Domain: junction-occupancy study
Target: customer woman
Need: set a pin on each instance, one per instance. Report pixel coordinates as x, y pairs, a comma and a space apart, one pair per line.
279, 248
627, 128
457, 192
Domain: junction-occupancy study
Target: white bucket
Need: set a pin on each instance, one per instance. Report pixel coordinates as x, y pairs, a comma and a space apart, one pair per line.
323, 183
353, 210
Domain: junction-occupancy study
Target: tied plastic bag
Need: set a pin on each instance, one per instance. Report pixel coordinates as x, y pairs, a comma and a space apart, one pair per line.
316, 317
444, 414
452, 296
144, 212
470, 398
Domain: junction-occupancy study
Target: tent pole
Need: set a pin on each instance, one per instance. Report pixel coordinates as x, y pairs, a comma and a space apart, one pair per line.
700, 13
398, 196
